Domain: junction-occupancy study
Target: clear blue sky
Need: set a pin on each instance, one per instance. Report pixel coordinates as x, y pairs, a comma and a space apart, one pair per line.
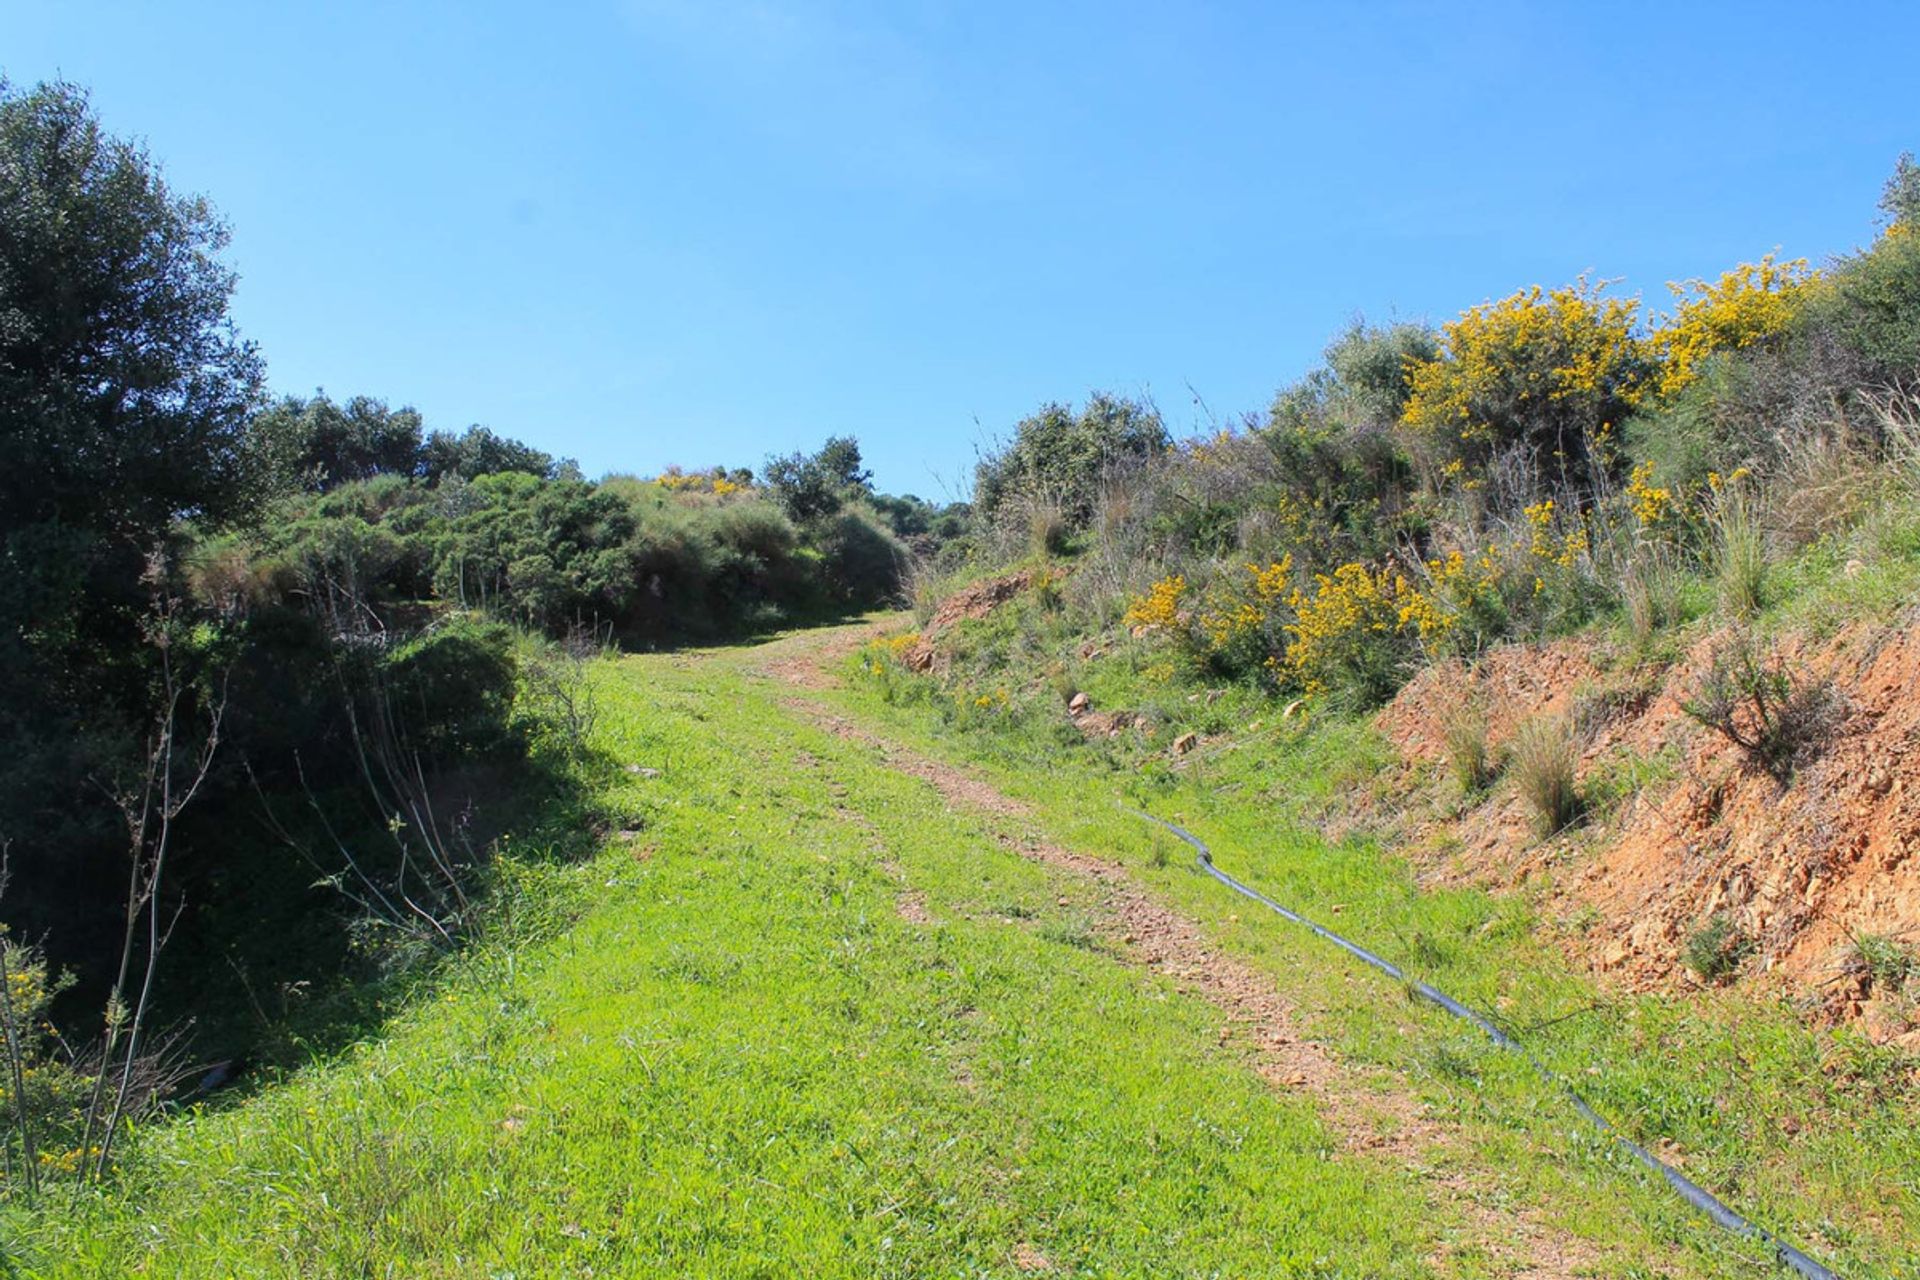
648, 231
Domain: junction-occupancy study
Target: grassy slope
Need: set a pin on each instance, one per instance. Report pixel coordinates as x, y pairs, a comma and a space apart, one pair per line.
1809, 1133
741, 1061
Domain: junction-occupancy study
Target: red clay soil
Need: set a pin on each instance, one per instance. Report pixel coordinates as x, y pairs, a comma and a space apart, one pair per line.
971, 603
1801, 868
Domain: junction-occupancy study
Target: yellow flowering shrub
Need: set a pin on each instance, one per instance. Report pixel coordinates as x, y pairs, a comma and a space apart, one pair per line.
1237, 614
714, 480
1160, 607
1346, 635
1745, 306
1543, 369
1653, 505
1459, 605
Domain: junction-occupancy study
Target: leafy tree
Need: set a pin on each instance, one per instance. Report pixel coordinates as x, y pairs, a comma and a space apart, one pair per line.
813, 486
123, 388
316, 444
479, 452
1061, 457
1900, 199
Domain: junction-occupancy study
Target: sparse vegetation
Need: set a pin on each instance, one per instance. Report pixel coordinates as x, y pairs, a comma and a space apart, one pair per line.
1717, 949
1756, 705
1468, 755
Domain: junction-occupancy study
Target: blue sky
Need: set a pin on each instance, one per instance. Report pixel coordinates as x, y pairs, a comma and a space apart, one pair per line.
651, 231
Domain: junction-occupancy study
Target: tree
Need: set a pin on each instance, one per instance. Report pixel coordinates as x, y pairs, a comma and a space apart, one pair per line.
479, 452
814, 486
1062, 458
124, 397
124, 390
316, 444
1900, 198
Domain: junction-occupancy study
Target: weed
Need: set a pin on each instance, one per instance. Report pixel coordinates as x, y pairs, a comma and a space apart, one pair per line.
1775, 720
1717, 949
1544, 761
1072, 931
1881, 958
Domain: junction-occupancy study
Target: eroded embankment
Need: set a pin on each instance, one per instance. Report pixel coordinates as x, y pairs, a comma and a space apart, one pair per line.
1799, 869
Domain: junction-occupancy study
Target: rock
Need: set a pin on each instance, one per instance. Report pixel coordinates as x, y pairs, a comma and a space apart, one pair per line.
641, 771
1078, 703
1185, 743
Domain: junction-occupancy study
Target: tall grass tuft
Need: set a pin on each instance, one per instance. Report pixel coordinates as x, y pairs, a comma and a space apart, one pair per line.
1544, 762
1468, 755
1739, 551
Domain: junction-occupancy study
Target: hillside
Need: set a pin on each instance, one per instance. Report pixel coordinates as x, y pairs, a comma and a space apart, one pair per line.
833, 1001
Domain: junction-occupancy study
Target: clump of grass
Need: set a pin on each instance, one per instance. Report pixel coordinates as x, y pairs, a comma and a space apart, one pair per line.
1047, 529
1468, 756
1544, 762
1717, 949
1739, 551
1650, 589
1072, 931
1775, 720
1883, 959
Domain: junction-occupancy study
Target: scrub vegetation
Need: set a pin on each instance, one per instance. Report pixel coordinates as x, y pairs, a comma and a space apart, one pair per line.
418, 858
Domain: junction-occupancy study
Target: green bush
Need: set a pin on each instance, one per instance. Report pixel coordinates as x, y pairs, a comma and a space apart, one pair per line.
451, 691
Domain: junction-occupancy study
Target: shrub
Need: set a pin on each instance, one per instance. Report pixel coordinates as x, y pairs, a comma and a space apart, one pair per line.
1544, 761
1065, 458
1537, 376
1753, 303
450, 692
864, 565
1347, 637
1773, 719
1716, 949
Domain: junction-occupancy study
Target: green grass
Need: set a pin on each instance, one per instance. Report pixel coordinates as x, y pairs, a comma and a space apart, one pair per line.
1808, 1132
741, 1061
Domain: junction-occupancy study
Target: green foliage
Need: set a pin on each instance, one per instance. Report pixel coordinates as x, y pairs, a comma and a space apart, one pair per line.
1716, 950
1061, 458
452, 689
814, 486
123, 391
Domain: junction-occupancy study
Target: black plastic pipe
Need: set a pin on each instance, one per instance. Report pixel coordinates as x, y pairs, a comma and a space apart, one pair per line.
1689, 1190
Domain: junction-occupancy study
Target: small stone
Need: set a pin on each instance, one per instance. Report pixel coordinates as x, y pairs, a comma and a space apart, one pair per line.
1078, 703
1185, 743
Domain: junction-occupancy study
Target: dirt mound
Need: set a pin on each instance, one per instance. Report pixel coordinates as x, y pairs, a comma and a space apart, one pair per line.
970, 603
1799, 869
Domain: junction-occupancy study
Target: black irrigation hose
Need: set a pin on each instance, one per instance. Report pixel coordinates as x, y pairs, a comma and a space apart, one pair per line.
1690, 1191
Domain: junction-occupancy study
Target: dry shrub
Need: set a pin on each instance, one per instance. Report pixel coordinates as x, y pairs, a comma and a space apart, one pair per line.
1898, 416
1775, 720
1544, 761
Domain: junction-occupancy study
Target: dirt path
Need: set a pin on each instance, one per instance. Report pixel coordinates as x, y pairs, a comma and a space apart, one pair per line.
1371, 1111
